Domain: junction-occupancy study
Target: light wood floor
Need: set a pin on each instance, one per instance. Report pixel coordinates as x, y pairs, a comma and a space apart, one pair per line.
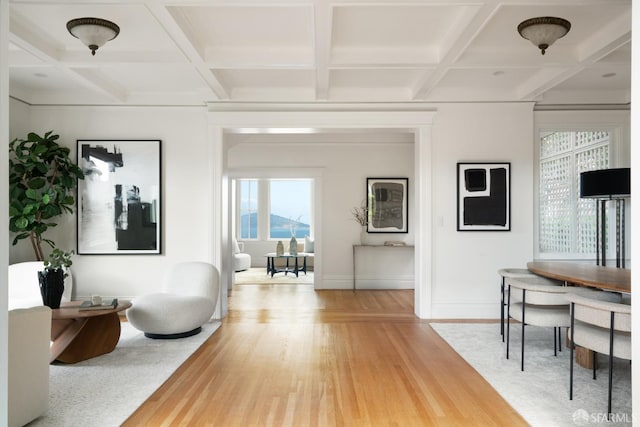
287, 355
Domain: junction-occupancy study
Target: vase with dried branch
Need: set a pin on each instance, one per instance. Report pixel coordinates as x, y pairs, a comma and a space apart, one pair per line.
361, 216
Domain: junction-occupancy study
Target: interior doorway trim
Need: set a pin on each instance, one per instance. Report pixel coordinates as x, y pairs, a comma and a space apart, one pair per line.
418, 122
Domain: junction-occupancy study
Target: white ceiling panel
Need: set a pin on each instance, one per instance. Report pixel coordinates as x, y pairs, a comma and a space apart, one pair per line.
223, 34
177, 52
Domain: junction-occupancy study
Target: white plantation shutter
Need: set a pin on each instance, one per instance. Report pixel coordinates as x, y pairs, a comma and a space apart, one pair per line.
567, 223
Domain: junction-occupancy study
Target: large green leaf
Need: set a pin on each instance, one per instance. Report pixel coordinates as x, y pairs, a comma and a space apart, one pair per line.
34, 137
21, 223
40, 149
37, 183
42, 168
32, 194
67, 181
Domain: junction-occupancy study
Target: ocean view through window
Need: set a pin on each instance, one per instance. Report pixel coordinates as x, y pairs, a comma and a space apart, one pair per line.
290, 208
274, 209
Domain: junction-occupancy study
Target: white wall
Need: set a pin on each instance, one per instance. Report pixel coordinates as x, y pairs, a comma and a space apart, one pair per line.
186, 191
19, 119
464, 277
464, 280
345, 168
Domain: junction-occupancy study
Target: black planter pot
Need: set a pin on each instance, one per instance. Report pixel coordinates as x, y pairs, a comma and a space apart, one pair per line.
51, 287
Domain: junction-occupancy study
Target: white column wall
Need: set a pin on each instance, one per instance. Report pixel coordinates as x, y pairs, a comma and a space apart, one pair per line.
464, 264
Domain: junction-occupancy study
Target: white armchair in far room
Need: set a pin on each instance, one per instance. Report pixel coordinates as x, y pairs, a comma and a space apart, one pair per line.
241, 260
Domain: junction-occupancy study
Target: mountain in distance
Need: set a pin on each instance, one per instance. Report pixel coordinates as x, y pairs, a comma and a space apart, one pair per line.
280, 226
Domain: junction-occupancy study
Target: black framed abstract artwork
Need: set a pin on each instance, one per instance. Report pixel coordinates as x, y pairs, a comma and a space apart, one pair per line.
484, 200
120, 197
387, 205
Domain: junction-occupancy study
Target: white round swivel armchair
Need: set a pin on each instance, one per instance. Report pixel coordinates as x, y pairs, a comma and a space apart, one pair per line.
188, 301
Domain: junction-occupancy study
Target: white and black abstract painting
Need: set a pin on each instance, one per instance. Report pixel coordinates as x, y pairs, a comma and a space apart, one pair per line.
387, 205
484, 197
119, 199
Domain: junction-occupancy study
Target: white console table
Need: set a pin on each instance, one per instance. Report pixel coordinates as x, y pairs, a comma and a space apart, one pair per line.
358, 248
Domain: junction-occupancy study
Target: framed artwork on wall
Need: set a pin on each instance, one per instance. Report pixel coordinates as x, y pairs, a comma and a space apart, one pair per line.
484, 196
119, 199
387, 205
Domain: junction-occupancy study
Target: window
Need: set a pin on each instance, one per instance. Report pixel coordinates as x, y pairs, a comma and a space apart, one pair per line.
290, 208
248, 209
567, 223
273, 208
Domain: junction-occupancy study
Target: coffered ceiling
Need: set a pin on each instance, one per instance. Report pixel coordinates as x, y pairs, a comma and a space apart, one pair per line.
191, 52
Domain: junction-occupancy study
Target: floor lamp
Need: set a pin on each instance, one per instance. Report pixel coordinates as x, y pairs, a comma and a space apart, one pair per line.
606, 185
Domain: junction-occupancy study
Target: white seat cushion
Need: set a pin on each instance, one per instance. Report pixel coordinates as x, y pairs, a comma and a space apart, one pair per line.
597, 339
166, 314
540, 315
515, 272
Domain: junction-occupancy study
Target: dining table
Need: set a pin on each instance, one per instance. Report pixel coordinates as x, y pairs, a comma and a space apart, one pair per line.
582, 274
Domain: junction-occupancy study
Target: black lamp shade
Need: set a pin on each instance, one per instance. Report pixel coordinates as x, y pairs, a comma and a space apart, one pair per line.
606, 183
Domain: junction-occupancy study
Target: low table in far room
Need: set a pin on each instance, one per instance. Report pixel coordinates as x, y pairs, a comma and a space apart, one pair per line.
272, 269
82, 334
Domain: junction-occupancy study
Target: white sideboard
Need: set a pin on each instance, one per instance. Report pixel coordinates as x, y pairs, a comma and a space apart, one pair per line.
383, 267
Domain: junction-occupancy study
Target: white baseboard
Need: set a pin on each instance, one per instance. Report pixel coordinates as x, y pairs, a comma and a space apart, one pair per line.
346, 282
464, 310
333, 282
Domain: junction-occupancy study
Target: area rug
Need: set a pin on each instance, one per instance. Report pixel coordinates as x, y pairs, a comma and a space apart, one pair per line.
259, 276
541, 393
106, 390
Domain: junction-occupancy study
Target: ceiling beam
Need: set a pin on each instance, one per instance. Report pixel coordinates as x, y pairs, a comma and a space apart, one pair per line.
453, 49
323, 16
168, 22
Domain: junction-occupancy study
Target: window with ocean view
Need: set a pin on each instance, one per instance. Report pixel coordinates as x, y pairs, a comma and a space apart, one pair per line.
273, 209
289, 208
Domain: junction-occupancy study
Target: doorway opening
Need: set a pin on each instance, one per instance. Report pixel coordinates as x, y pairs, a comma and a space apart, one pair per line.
273, 230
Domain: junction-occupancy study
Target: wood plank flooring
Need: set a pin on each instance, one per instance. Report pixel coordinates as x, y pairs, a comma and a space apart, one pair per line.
287, 355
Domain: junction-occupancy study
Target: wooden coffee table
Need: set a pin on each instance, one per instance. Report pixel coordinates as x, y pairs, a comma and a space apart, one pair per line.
80, 335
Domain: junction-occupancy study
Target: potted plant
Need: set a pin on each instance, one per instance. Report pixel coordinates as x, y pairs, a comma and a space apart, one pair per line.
51, 279
42, 182
361, 216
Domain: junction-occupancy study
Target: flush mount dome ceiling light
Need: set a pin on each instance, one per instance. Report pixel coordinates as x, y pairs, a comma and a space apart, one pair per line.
93, 32
544, 31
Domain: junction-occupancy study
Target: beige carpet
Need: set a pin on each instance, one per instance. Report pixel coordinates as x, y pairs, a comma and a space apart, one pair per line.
106, 390
258, 276
541, 393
